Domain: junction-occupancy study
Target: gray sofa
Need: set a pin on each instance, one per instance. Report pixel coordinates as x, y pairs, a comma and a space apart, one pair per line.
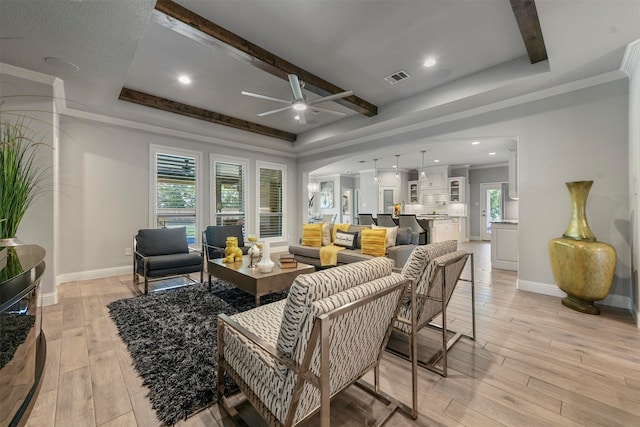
406, 241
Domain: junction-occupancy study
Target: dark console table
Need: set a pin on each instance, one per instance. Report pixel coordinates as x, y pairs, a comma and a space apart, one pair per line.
22, 342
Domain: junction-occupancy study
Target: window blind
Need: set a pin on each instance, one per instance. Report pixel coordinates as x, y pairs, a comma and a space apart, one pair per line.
270, 202
230, 193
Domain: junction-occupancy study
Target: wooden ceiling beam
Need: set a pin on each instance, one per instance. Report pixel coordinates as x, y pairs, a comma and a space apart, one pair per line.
183, 21
164, 104
527, 18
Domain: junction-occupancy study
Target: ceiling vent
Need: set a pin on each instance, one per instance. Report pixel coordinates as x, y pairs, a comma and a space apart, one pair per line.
397, 77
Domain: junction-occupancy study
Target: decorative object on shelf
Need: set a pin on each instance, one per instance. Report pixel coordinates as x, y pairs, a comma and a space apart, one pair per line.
254, 251
396, 210
582, 267
21, 177
265, 265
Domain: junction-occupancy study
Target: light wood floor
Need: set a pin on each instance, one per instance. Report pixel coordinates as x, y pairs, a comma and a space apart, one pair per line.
535, 363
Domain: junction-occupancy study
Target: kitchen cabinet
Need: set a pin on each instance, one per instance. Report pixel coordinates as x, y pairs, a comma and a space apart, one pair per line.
435, 178
504, 245
413, 191
457, 189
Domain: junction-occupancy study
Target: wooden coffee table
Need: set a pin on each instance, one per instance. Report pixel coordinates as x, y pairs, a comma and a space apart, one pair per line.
251, 280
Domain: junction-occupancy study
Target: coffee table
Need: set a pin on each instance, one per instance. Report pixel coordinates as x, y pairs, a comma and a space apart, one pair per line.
251, 280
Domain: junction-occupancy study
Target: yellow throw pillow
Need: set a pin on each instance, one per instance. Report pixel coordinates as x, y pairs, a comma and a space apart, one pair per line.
336, 227
311, 234
392, 232
374, 242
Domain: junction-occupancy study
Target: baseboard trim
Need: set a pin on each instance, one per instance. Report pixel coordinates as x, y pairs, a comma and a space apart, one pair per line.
93, 274
617, 301
48, 299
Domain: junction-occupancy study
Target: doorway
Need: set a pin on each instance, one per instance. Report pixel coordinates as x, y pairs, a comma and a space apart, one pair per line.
490, 207
387, 200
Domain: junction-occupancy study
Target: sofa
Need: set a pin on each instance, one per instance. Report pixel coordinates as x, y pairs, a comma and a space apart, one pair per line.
406, 241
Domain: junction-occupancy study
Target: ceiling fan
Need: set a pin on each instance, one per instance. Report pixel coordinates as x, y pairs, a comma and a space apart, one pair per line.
299, 103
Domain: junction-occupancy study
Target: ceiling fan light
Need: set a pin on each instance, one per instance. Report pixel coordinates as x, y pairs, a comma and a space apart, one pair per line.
299, 106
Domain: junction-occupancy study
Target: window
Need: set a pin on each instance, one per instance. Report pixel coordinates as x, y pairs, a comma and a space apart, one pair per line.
271, 178
229, 191
175, 190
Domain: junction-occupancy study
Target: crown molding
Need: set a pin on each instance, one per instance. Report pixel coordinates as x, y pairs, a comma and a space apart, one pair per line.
631, 59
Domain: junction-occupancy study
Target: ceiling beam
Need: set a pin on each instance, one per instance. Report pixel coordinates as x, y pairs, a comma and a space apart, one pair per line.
164, 104
527, 18
183, 21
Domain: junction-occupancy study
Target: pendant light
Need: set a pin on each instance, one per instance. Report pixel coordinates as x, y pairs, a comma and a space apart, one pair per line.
422, 175
375, 171
397, 168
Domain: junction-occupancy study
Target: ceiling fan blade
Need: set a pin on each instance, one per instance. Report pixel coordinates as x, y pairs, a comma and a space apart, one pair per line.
331, 97
268, 98
295, 87
314, 108
266, 113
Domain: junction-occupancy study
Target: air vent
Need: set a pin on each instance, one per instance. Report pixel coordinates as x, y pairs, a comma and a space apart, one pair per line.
397, 77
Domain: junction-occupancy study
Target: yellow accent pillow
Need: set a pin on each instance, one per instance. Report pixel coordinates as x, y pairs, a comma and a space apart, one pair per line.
374, 242
336, 227
311, 234
392, 232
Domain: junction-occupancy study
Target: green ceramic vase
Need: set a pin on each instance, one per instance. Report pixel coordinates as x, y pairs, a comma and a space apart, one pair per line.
582, 267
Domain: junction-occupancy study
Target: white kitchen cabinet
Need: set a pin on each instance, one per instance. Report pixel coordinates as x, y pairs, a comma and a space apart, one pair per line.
457, 189
435, 178
413, 191
504, 245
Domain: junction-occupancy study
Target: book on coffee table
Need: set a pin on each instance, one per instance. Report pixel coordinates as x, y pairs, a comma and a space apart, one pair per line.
287, 261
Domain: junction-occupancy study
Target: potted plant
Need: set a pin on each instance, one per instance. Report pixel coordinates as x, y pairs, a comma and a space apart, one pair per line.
21, 176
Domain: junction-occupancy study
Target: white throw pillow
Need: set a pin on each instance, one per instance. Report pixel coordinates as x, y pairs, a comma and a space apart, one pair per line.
391, 234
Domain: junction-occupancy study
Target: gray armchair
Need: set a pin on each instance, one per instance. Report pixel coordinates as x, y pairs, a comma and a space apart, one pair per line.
162, 253
214, 241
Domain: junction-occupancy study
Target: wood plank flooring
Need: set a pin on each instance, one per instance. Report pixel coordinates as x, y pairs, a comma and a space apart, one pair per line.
535, 363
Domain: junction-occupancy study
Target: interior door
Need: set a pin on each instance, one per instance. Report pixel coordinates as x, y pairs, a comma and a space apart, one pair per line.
490, 207
388, 196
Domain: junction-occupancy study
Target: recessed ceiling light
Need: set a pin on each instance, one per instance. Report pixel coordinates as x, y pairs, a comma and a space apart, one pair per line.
61, 64
436, 161
475, 143
492, 153
429, 62
184, 79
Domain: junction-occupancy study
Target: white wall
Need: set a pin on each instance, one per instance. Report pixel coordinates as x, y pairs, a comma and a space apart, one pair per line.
572, 136
105, 192
633, 65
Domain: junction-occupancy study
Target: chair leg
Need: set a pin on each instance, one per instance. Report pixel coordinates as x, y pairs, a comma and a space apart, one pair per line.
146, 284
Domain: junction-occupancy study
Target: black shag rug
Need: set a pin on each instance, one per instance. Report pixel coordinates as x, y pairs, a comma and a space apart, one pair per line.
171, 336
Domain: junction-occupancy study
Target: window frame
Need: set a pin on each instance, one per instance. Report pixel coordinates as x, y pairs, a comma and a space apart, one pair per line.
213, 159
154, 150
283, 168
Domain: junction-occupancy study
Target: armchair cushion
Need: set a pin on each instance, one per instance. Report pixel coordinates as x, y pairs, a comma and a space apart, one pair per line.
162, 241
157, 264
216, 239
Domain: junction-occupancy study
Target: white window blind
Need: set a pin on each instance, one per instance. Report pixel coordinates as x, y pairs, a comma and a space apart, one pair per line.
230, 185
176, 192
271, 202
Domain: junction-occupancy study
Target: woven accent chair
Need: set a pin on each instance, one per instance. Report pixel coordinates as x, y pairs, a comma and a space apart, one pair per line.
162, 253
434, 271
386, 220
410, 220
289, 358
366, 219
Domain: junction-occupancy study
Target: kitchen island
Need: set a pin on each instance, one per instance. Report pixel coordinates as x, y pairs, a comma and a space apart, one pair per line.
504, 245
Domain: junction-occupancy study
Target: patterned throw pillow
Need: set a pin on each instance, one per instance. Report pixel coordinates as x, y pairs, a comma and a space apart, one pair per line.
374, 242
311, 234
391, 234
326, 233
346, 239
336, 227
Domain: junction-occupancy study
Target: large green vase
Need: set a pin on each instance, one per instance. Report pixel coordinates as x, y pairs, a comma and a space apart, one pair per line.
582, 267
